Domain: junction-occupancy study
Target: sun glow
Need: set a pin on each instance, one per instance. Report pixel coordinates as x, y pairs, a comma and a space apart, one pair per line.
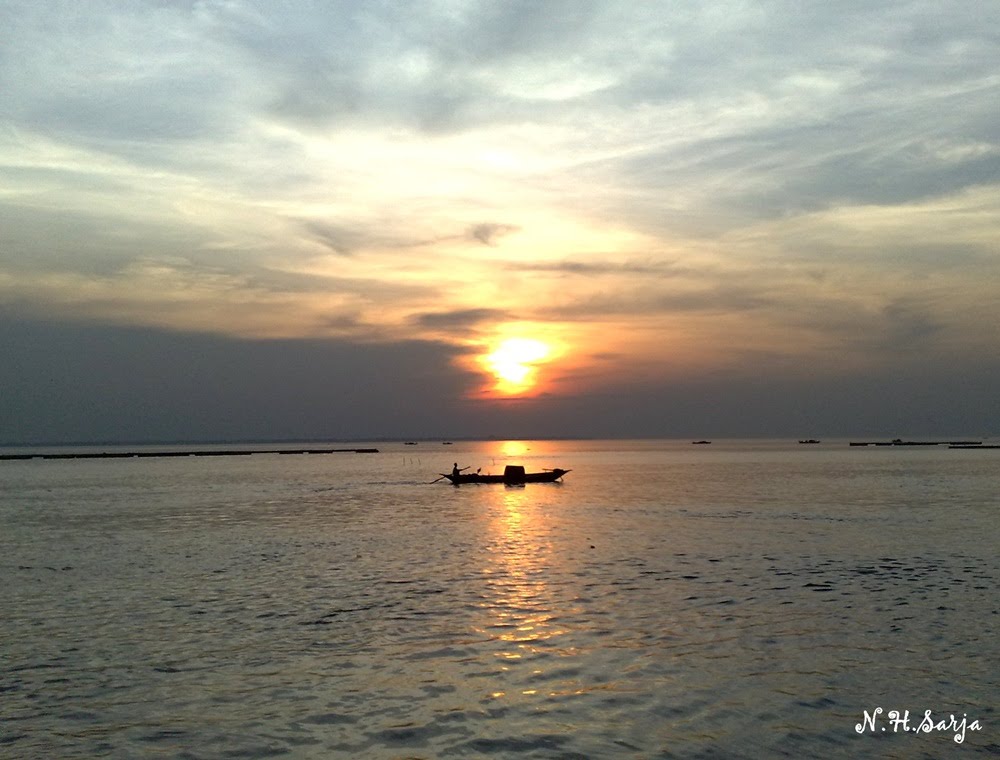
513, 449
514, 364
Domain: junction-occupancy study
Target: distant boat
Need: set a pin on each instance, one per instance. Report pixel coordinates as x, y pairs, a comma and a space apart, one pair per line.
699, 443
809, 440
513, 475
410, 443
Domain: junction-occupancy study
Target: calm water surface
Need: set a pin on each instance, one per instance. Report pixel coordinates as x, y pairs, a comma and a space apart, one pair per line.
744, 599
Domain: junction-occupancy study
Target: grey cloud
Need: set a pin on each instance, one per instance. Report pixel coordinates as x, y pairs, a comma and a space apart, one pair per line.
141, 112
272, 280
318, 94
113, 78
346, 323
906, 326
736, 49
460, 319
488, 233
341, 240
491, 32
75, 383
589, 268
91, 242
644, 301
234, 269
339, 64
65, 383
895, 82
349, 239
774, 170
773, 394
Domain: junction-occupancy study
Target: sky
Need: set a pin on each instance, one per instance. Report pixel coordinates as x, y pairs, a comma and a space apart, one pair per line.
558, 218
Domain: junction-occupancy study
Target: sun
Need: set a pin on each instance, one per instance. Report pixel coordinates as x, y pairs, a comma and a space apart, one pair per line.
514, 364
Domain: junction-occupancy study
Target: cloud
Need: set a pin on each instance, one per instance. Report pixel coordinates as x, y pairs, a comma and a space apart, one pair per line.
101, 383
488, 233
685, 180
341, 240
648, 302
98, 382
910, 325
595, 268
247, 301
459, 320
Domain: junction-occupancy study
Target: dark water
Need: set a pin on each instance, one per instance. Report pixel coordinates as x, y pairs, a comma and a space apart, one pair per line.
744, 599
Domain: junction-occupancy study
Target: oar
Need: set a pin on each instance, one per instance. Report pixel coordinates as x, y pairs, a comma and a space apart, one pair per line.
435, 481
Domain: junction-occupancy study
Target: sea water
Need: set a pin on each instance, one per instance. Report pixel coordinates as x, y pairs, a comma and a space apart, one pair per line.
737, 599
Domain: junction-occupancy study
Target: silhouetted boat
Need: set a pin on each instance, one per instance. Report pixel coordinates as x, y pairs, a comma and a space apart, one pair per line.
699, 443
809, 440
513, 475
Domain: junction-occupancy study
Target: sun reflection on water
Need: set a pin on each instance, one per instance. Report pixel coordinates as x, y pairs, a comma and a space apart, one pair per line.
512, 449
519, 609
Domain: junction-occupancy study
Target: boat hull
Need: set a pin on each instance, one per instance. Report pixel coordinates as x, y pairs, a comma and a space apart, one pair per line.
513, 476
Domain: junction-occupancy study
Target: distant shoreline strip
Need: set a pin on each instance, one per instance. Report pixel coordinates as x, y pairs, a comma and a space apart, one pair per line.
208, 453
950, 444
